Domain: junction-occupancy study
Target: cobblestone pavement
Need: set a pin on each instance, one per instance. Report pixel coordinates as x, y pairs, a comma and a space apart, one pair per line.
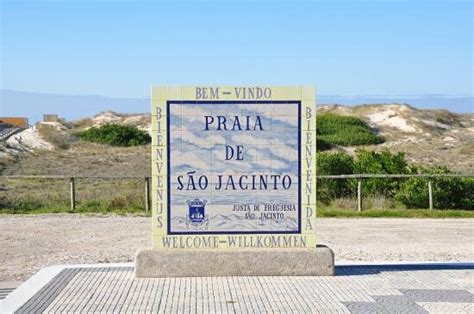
445, 288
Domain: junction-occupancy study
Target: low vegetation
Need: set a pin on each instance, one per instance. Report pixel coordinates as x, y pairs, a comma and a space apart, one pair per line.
116, 135
334, 129
51, 134
123, 196
449, 193
382, 197
98, 207
395, 213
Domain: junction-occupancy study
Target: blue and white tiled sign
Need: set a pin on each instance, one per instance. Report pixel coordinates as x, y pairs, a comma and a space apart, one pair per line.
241, 159
233, 167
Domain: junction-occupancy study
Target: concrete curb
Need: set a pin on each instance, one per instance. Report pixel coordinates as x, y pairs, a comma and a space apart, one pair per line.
29, 288
318, 261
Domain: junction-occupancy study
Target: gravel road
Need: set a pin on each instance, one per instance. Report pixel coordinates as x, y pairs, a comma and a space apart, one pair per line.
29, 243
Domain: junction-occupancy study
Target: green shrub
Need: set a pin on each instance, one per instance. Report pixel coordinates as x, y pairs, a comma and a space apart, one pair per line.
333, 129
448, 193
116, 135
322, 144
334, 164
370, 162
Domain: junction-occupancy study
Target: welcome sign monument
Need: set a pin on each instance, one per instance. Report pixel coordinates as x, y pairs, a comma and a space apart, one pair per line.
234, 183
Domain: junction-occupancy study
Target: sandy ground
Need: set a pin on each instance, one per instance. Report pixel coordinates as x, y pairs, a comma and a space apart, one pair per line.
392, 119
29, 138
29, 243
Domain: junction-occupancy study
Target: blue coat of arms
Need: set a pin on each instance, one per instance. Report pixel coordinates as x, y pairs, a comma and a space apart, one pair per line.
196, 212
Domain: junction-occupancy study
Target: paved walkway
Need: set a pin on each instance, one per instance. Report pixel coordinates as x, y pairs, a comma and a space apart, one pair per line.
415, 288
4, 292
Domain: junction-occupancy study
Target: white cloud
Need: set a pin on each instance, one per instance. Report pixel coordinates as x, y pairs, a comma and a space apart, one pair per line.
265, 160
199, 139
195, 161
277, 147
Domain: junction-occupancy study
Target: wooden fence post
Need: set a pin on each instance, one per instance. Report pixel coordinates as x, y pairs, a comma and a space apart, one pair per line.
147, 194
430, 194
359, 195
73, 193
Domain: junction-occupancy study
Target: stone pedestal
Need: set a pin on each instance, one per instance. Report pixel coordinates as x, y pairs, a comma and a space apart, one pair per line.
215, 263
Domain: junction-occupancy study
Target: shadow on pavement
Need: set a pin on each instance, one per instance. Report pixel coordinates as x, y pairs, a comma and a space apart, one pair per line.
355, 270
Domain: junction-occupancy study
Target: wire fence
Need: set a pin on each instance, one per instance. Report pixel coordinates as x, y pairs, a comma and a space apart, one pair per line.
132, 192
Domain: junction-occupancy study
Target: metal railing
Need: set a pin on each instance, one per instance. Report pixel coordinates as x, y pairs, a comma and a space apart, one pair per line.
7, 132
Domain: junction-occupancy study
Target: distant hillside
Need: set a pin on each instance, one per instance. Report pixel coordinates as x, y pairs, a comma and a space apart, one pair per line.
73, 107
430, 137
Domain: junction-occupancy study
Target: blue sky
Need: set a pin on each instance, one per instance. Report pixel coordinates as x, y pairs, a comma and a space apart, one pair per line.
119, 48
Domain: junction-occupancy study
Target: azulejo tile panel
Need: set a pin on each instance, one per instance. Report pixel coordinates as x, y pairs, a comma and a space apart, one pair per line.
233, 161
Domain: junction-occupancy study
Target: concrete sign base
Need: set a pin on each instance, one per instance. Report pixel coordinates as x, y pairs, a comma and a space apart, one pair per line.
215, 263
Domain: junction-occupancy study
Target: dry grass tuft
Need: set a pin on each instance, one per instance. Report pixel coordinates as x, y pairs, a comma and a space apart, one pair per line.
368, 203
59, 138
